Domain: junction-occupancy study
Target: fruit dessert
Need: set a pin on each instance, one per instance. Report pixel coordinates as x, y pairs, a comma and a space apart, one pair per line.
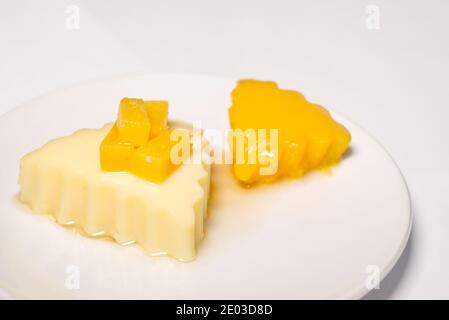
284, 135
120, 181
137, 180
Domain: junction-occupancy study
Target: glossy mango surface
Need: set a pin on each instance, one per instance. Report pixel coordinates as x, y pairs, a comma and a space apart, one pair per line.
307, 136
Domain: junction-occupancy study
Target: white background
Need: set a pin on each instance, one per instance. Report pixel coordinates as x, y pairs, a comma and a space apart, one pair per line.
392, 81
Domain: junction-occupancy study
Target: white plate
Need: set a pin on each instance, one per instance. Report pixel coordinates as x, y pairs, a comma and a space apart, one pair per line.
318, 237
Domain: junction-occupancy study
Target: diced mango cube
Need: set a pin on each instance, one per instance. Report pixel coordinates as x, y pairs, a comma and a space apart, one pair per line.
115, 155
133, 123
158, 113
153, 161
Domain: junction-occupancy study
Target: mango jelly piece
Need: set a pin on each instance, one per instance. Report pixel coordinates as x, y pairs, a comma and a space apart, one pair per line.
308, 137
133, 123
158, 113
153, 161
258, 159
115, 155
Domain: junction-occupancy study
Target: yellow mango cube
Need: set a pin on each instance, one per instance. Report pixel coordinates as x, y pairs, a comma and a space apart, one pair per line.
153, 161
158, 114
115, 155
133, 123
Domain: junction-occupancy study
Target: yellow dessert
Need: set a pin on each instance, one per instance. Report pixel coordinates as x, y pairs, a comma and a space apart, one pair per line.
307, 136
122, 186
